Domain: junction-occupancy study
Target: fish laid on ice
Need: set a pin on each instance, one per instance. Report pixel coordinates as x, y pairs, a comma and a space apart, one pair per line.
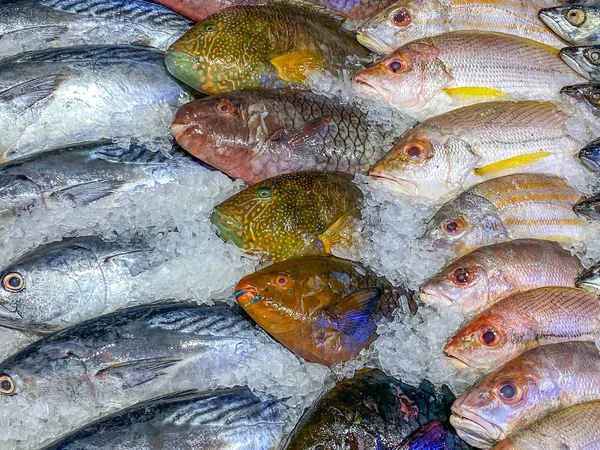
378, 412
449, 153
63, 96
590, 279
589, 207
440, 73
291, 215
219, 420
543, 380
120, 359
574, 428
523, 321
81, 174
577, 24
27, 25
585, 60
409, 20
520, 206
261, 46
483, 277
254, 135
322, 308
587, 93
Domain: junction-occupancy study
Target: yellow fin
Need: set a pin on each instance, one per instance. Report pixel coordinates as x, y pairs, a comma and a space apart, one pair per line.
511, 163
340, 232
292, 67
474, 91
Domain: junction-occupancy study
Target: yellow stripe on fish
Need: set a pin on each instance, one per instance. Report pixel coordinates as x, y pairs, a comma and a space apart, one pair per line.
511, 163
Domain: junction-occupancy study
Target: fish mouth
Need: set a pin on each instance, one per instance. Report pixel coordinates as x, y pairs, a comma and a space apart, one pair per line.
180, 65
362, 86
432, 296
372, 43
400, 185
247, 296
473, 429
569, 56
229, 228
553, 20
457, 362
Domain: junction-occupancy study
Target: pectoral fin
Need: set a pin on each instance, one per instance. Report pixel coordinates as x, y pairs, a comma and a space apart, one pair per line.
306, 140
340, 232
293, 67
466, 92
85, 193
511, 163
354, 311
431, 436
134, 373
25, 95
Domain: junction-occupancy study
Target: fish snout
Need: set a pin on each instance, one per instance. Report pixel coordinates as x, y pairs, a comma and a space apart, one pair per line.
246, 296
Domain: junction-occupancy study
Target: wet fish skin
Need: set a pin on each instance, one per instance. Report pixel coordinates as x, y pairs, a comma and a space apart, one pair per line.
408, 20
544, 380
294, 214
590, 279
522, 321
587, 93
575, 428
117, 360
59, 97
481, 278
377, 411
221, 419
578, 24
589, 207
585, 60
449, 153
520, 206
265, 133
287, 40
322, 308
440, 73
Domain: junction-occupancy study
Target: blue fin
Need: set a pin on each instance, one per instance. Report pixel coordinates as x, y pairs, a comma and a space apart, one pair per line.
431, 437
354, 310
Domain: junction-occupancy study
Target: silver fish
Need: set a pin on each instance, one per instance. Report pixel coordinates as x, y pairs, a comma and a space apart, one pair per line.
59, 97
577, 24
590, 155
589, 207
585, 60
220, 420
120, 359
27, 25
590, 279
587, 94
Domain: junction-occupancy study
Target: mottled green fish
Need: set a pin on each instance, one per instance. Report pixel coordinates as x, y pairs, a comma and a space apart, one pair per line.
261, 46
302, 213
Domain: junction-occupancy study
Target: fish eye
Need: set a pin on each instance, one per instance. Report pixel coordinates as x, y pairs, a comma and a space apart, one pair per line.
510, 393
282, 279
593, 97
396, 65
224, 107
209, 27
462, 276
13, 282
264, 194
489, 337
417, 152
592, 55
575, 16
7, 386
454, 226
400, 17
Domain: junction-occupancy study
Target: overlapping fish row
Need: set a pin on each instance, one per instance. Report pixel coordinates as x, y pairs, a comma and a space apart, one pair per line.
306, 102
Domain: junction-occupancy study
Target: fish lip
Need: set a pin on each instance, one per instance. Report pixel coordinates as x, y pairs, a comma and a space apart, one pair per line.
457, 362
567, 55
425, 292
550, 17
373, 43
365, 87
590, 163
403, 186
484, 432
178, 129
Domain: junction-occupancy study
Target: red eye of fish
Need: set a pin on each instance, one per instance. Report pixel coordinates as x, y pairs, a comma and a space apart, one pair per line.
510, 393
224, 107
396, 65
400, 17
453, 227
282, 279
462, 276
489, 337
416, 151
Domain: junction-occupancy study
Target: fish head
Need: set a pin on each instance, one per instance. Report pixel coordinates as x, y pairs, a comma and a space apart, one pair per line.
500, 403
590, 279
490, 340
590, 154
588, 93
589, 207
213, 57
585, 60
571, 23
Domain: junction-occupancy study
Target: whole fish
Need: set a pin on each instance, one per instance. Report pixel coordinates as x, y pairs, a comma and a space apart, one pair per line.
322, 308
543, 380
254, 135
454, 151
523, 321
577, 24
291, 215
587, 93
200, 9
62, 283
409, 20
261, 46
481, 278
517, 206
27, 25
574, 428
589, 207
219, 420
374, 411
585, 60
440, 73
590, 279
120, 359
81, 174
60, 97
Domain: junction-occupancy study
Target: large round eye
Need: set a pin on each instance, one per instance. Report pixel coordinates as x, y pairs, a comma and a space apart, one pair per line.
282, 279
209, 27
489, 337
396, 65
7, 386
224, 107
400, 17
415, 151
510, 392
264, 194
462, 276
454, 226
13, 282
592, 55
575, 16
